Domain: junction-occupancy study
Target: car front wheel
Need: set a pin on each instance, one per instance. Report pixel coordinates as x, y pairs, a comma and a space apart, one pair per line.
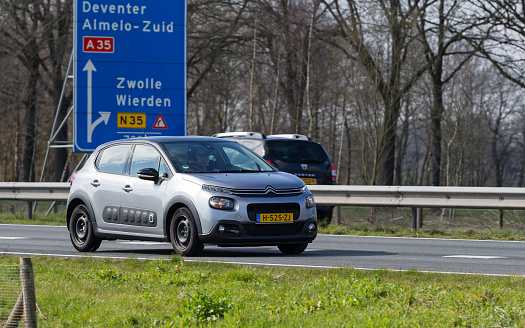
184, 236
292, 248
81, 231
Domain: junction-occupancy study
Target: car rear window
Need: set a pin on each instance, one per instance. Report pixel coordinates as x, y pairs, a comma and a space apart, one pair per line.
295, 151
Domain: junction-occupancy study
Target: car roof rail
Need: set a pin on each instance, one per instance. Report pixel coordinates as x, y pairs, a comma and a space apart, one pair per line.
254, 135
291, 136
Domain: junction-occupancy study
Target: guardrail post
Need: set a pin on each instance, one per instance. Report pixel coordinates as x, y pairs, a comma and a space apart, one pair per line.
337, 215
414, 218
500, 218
29, 210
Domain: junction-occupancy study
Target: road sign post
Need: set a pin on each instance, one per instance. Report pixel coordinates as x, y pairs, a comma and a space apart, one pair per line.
130, 70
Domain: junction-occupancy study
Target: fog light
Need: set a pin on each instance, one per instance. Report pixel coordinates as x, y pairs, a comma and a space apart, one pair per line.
312, 227
221, 203
222, 228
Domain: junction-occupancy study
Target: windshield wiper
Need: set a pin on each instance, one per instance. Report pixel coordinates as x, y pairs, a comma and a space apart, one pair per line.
240, 171
234, 171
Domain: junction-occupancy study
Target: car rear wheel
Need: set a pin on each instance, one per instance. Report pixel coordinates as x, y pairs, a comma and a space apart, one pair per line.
292, 248
184, 235
81, 231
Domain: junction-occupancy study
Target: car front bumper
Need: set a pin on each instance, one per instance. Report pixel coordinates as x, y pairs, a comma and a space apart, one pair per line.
234, 233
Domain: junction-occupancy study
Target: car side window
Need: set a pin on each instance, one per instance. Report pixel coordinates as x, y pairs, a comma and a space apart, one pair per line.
113, 159
164, 171
144, 157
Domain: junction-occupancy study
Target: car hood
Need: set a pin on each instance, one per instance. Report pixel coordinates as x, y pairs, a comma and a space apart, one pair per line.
246, 180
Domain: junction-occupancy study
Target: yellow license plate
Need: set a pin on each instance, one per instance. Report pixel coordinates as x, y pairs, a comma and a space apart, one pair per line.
310, 181
274, 217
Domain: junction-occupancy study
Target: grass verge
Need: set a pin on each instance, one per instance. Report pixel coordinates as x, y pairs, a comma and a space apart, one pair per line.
89, 292
431, 232
12, 212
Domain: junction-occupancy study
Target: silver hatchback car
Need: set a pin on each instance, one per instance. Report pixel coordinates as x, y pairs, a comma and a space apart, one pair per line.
190, 191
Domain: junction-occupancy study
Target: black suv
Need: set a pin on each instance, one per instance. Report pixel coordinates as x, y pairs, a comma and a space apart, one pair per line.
292, 153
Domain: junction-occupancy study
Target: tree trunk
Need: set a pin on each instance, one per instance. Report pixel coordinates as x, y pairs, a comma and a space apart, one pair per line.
389, 142
436, 114
28, 169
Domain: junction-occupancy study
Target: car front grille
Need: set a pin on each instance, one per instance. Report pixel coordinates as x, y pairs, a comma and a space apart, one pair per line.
269, 191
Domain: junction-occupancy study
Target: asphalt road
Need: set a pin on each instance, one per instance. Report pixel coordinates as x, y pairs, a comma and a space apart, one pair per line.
327, 251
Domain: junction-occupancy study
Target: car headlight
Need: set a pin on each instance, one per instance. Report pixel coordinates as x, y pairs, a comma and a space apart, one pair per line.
221, 203
216, 189
310, 201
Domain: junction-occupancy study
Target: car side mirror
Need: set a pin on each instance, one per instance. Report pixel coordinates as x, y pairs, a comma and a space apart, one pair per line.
148, 174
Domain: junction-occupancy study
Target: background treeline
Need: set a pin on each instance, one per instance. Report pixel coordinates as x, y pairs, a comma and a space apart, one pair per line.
400, 92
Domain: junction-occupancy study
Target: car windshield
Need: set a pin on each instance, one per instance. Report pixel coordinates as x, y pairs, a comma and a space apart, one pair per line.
214, 157
296, 151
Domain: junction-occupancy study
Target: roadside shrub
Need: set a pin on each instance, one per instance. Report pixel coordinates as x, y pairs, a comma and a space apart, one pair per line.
205, 308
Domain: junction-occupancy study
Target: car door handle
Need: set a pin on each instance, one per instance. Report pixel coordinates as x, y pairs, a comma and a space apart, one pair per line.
95, 183
127, 188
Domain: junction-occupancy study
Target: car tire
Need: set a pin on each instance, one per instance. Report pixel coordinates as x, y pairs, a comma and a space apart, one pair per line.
292, 248
184, 235
81, 230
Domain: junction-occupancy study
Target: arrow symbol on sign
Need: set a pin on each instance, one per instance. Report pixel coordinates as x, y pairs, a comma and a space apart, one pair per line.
104, 116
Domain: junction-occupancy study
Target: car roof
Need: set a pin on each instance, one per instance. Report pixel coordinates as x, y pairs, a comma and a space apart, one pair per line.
261, 137
288, 139
163, 139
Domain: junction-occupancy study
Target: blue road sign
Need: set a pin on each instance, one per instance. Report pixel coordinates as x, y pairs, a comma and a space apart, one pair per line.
130, 70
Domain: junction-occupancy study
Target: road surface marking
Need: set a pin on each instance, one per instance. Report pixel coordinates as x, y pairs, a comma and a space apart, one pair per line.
482, 257
256, 264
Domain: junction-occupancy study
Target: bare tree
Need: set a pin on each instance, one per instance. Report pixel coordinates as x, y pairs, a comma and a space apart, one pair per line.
22, 41
498, 106
286, 29
501, 36
443, 34
465, 135
358, 22
39, 36
57, 19
213, 27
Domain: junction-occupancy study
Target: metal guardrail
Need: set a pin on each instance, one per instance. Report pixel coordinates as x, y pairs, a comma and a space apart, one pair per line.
381, 196
34, 191
337, 195
422, 197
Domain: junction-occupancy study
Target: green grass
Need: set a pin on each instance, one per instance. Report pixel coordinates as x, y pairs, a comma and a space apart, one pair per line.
437, 223
432, 232
89, 292
16, 213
